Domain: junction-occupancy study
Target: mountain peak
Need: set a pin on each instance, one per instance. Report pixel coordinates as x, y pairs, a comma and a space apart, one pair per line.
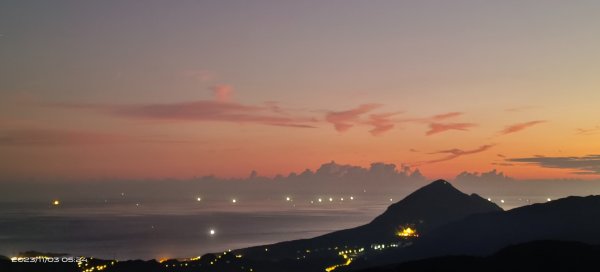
438, 188
438, 183
436, 202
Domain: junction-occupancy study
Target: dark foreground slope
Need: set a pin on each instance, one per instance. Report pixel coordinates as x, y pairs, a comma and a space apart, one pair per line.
426, 209
533, 256
569, 219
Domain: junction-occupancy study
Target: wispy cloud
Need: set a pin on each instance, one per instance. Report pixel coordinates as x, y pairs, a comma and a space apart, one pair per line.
344, 120
520, 109
520, 126
436, 124
444, 116
456, 153
585, 165
212, 111
381, 123
221, 109
588, 131
441, 127
433, 118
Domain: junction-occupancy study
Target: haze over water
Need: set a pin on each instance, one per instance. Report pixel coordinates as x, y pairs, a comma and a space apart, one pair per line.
123, 228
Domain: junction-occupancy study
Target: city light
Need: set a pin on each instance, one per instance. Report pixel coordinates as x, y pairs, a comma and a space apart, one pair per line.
407, 232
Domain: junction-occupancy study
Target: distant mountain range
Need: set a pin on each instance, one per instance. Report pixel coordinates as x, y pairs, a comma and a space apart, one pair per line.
449, 230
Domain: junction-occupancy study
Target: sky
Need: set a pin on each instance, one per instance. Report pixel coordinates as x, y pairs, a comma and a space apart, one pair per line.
178, 89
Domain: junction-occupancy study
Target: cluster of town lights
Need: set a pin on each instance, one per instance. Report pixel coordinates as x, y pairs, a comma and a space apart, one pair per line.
407, 232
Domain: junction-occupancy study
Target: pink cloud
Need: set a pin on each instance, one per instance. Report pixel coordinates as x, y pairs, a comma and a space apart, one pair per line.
455, 153
213, 111
434, 118
222, 93
440, 127
520, 126
444, 116
201, 110
344, 120
221, 109
381, 123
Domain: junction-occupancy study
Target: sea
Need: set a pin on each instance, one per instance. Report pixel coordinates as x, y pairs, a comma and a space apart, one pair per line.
121, 228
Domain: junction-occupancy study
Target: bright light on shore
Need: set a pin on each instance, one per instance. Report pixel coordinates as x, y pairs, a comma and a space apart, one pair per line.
56, 202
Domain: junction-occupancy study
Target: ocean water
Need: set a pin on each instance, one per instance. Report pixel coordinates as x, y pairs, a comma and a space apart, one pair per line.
122, 228
159, 229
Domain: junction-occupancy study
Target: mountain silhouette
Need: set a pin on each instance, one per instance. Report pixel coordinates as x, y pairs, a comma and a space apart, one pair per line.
433, 205
569, 219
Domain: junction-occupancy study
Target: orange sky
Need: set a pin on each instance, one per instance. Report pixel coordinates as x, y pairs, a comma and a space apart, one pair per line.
110, 92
